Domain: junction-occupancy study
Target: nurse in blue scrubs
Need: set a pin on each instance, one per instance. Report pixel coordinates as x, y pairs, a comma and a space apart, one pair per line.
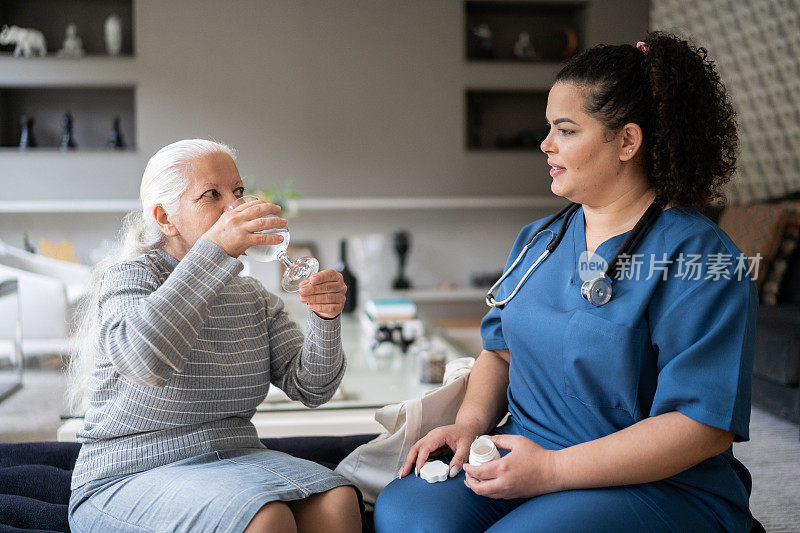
622, 415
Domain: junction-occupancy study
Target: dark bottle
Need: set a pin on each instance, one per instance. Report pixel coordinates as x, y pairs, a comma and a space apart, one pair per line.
351, 299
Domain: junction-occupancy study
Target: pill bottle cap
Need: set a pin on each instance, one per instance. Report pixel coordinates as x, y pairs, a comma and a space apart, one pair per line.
434, 471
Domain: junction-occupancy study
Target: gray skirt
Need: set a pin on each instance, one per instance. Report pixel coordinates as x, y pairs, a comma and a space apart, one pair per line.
216, 491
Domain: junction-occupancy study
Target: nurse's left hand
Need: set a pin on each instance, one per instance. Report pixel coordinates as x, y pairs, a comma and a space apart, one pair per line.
526, 471
324, 293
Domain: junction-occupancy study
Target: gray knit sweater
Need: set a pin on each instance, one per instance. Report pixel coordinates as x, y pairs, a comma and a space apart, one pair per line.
185, 352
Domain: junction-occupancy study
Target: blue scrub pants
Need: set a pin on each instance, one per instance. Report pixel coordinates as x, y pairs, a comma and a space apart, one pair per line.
412, 504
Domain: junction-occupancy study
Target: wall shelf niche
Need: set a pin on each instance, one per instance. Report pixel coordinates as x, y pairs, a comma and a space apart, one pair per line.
555, 30
93, 111
51, 18
505, 119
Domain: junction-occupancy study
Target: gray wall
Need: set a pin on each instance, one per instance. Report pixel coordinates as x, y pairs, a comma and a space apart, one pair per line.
350, 98
756, 49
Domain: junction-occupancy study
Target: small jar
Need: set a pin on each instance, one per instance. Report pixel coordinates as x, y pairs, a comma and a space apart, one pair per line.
482, 451
415, 348
431, 363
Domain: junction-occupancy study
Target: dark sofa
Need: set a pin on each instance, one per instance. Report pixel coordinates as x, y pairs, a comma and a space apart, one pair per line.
35, 477
776, 367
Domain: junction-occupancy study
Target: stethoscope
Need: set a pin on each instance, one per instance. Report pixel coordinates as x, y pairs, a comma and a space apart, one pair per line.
597, 290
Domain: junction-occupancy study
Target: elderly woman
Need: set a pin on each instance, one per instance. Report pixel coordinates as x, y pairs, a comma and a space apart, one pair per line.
622, 410
179, 352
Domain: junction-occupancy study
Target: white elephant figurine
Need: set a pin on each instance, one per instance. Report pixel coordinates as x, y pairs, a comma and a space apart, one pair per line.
29, 41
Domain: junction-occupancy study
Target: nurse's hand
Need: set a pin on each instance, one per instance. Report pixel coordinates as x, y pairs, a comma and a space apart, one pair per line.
527, 471
324, 292
456, 437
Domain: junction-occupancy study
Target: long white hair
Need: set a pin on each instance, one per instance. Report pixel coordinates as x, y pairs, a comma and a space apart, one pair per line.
165, 179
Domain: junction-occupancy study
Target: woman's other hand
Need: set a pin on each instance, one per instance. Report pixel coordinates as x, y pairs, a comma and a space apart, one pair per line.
526, 471
324, 293
458, 438
235, 230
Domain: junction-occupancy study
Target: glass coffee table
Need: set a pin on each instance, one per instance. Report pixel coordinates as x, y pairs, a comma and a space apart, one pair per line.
370, 382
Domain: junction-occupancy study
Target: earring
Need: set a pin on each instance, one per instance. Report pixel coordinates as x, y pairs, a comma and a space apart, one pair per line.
630, 150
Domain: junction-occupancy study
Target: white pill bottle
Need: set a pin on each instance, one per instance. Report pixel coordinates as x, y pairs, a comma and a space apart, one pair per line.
482, 451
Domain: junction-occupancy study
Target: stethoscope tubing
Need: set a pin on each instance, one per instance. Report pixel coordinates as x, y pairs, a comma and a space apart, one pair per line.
636, 235
490, 301
552, 245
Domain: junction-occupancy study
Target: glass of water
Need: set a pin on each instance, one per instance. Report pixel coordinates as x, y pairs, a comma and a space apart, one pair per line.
296, 271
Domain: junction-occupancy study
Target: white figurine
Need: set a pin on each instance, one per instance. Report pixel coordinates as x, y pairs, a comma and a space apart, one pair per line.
29, 41
523, 49
73, 45
113, 35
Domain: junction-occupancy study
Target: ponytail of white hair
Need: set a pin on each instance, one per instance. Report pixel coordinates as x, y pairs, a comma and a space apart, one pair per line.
165, 179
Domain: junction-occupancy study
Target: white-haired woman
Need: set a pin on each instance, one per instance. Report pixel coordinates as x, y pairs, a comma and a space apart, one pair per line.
178, 352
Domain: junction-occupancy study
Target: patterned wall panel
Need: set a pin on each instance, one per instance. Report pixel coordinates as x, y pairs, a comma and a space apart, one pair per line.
756, 46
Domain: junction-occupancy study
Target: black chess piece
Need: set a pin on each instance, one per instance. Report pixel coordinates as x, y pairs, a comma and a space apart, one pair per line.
67, 141
115, 141
26, 139
402, 243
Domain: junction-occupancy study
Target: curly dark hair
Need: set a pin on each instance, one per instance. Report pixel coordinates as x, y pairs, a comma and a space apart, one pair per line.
675, 95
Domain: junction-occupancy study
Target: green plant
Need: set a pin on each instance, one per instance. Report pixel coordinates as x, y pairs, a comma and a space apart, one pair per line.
278, 194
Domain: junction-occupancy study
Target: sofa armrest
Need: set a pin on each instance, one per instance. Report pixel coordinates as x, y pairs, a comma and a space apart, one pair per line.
44, 304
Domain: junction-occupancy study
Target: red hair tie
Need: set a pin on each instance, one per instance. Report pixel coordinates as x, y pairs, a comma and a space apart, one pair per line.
643, 46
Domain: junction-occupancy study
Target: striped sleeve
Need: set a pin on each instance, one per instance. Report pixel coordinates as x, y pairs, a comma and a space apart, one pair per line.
147, 330
310, 369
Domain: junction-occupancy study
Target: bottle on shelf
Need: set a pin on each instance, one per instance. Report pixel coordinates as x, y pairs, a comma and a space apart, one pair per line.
351, 299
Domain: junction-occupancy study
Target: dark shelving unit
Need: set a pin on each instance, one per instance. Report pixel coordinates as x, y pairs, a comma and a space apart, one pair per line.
93, 110
512, 118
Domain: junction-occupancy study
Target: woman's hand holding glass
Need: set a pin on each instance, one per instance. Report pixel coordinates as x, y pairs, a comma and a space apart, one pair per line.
528, 470
296, 271
241, 227
324, 293
236, 229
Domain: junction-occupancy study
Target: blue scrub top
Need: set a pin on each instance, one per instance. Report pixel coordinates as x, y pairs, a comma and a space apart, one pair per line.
681, 340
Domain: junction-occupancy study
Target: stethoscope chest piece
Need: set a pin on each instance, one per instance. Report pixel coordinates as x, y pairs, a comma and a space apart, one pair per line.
597, 291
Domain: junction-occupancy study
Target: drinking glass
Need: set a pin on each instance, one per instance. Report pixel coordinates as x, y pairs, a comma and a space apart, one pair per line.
296, 271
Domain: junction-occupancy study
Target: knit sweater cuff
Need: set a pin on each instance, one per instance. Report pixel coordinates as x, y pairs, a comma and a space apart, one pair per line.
326, 329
